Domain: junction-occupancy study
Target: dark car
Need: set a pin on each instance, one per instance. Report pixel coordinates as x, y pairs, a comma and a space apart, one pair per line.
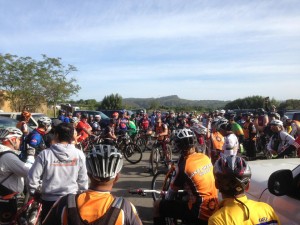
293, 114
104, 118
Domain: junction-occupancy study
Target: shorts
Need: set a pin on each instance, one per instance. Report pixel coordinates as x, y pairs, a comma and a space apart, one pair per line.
179, 210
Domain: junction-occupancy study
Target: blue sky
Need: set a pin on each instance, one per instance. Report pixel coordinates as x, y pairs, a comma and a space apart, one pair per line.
198, 50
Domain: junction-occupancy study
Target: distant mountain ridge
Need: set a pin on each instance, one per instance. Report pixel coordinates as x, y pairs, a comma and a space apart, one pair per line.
173, 101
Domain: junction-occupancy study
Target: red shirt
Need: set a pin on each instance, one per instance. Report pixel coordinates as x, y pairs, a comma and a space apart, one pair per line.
80, 130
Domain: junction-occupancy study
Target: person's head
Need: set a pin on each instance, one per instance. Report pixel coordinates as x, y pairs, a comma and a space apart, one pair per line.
11, 137
274, 116
222, 112
25, 116
112, 122
84, 117
97, 118
232, 175
70, 114
249, 116
103, 163
214, 124
64, 132
123, 113
231, 118
44, 123
185, 139
158, 121
223, 126
260, 111
115, 115
55, 123
276, 126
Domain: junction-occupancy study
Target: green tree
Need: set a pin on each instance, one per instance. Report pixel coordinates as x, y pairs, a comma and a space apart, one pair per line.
252, 102
31, 82
112, 101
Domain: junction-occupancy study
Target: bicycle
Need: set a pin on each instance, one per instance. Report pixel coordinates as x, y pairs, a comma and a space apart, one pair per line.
131, 151
158, 156
28, 214
143, 140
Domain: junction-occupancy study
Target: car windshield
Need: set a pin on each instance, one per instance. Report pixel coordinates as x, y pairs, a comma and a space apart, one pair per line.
5, 122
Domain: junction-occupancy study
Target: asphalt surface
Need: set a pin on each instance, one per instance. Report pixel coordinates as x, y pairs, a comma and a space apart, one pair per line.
133, 176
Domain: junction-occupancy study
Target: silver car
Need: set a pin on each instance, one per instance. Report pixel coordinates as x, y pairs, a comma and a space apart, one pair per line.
277, 182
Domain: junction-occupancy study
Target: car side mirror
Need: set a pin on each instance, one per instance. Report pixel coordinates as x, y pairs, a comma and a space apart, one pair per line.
280, 182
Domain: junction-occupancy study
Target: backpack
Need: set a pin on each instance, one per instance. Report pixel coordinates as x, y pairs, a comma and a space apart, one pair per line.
109, 218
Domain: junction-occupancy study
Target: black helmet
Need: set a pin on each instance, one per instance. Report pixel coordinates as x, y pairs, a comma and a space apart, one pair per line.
232, 175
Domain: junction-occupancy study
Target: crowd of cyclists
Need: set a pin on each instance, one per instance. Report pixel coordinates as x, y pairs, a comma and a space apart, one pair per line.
74, 186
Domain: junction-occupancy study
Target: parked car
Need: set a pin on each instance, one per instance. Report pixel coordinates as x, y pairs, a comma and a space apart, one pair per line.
104, 118
293, 114
277, 182
7, 122
16, 115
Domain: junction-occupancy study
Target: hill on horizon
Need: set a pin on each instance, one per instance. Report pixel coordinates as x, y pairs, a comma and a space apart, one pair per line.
173, 101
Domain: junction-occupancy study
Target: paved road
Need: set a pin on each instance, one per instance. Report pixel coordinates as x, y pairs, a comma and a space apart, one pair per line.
134, 176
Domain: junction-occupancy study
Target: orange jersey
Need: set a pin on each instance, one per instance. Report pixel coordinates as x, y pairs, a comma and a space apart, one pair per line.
217, 140
195, 175
91, 206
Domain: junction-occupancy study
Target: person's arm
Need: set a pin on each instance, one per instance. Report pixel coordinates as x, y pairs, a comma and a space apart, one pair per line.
35, 173
82, 179
15, 165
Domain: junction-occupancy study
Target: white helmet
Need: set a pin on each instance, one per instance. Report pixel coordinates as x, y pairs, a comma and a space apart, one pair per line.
10, 132
199, 129
222, 111
221, 122
276, 123
44, 120
104, 162
184, 133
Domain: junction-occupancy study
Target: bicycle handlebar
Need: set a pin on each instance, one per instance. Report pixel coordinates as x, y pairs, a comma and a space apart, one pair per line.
144, 192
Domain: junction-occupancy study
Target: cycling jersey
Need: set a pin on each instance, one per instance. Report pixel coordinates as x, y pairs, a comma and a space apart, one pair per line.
249, 130
81, 132
123, 123
195, 175
161, 129
217, 140
144, 123
236, 129
91, 206
279, 141
232, 212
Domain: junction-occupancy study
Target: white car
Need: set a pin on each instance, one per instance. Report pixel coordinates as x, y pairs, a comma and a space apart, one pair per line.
277, 182
16, 115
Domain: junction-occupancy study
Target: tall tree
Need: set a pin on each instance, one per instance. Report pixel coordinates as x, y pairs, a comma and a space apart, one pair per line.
112, 101
31, 82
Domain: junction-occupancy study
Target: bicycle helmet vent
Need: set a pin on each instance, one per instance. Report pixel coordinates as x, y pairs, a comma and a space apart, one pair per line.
185, 139
222, 124
232, 174
44, 120
104, 162
10, 132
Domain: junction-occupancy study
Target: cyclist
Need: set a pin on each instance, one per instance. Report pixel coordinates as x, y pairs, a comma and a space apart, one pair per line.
83, 128
232, 174
61, 168
122, 122
280, 140
216, 141
250, 136
35, 140
162, 134
96, 205
23, 126
237, 130
12, 172
109, 134
231, 143
194, 174
96, 127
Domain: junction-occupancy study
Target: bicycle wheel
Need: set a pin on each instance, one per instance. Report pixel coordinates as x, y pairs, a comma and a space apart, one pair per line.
141, 142
154, 160
169, 152
133, 153
160, 182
